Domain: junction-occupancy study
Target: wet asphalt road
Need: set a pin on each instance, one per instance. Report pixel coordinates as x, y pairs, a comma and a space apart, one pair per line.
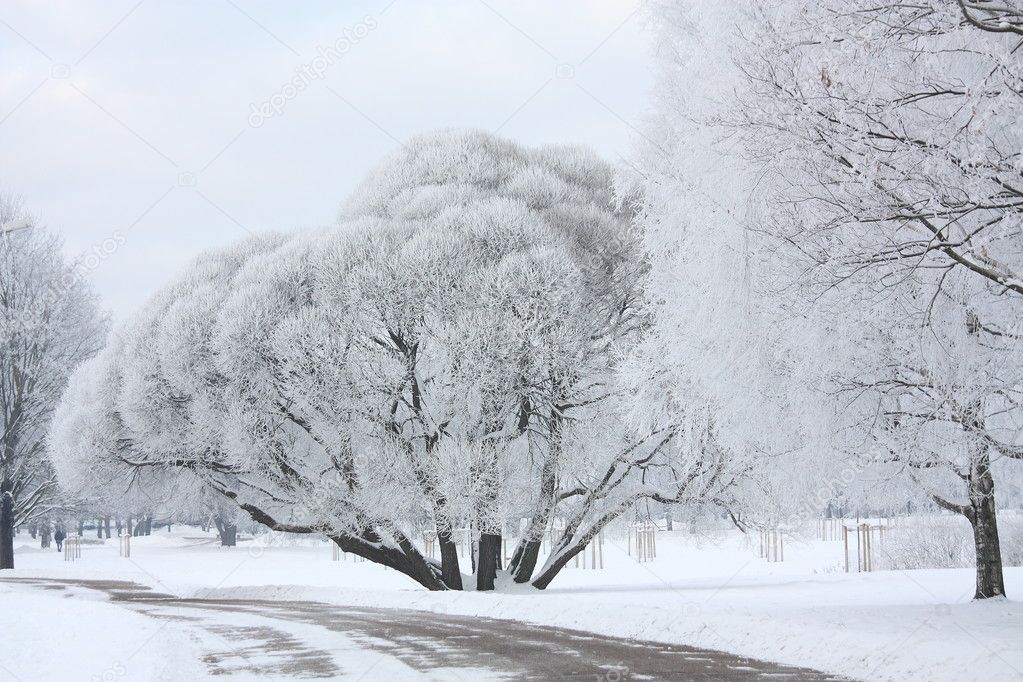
258, 638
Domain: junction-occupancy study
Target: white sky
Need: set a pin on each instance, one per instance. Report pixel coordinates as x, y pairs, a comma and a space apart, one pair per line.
134, 117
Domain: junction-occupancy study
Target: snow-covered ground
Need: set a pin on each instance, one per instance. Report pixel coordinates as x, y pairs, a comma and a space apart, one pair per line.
704, 591
59, 637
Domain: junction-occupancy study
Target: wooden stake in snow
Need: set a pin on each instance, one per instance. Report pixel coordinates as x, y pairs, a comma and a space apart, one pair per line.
865, 537
646, 541
72, 547
596, 548
829, 529
429, 542
772, 545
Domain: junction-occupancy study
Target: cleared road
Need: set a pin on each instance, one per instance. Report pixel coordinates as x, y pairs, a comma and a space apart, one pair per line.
300, 640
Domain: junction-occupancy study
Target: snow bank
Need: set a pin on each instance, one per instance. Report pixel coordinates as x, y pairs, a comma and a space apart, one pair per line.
74, 635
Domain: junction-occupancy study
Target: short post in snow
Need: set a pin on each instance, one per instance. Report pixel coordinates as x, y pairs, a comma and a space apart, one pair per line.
465, 542
828, 529
864, 545
72, 547
124, 548
553, 534
646, 542
772, 545
429, 542
338, 554
596, 548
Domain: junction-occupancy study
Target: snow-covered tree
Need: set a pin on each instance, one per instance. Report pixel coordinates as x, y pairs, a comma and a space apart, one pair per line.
896, 133
89, 446
442, 358
547, 281
718, 359
49, 322
841, 202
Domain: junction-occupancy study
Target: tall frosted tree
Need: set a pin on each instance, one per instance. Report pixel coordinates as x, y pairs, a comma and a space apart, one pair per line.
440, 361
869, 225
49, 323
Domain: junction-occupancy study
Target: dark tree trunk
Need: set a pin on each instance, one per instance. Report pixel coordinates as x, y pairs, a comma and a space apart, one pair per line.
451, 574
524, 558
668, 520
551, 571
228, 532
128, 527
489, 560
569, 545
81, 527
106, 526
981, 509
526, 554
117, 526
45, 535
99, 528
6, 528
147, 525
405, 559
984, 520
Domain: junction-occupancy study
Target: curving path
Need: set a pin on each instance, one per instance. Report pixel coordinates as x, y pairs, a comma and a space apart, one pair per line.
300, 639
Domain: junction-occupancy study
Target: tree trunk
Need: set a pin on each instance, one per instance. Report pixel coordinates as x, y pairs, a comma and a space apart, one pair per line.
6, 528
404, 559
127, 526
981, 511
552, 568
45, 535
668, 520
228, 532
984, 520
526, 554
489, 559
99, 528
117, 526
524, 558
106, 526
451, 574
569, 545
473, 553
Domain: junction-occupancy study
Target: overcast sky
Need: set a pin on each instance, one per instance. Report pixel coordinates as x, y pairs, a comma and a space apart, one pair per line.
137, 118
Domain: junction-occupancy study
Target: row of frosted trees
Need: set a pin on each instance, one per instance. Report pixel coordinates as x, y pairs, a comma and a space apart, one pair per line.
837, 185
808, 293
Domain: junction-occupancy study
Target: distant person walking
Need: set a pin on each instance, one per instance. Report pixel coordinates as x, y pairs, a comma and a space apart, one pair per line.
59, 537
